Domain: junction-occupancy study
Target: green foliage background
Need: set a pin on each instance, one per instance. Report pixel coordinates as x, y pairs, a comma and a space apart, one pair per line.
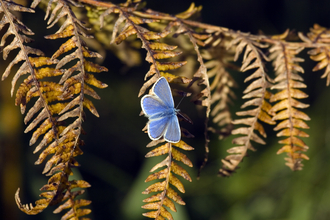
113, 161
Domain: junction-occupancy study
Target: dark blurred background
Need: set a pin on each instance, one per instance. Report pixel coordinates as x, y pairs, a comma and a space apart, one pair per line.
113, 161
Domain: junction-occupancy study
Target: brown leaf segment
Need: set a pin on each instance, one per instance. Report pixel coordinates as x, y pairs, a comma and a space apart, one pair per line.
257, 93
56, 103
165, 193
321, 54
289, 82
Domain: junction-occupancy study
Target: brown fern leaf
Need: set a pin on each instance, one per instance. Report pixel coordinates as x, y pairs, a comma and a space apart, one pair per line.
31, 86
222, 84
164, 189
321, 53
192, 10
257, 92
64, 100
151, 41
289, 82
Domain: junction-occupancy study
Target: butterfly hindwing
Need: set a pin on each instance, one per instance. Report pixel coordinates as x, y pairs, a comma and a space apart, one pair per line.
173, 131
157, 127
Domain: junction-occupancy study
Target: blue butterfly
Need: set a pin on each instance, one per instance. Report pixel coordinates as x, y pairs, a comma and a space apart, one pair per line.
159, 108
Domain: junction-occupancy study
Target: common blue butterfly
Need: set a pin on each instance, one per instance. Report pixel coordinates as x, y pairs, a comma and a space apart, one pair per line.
159, 108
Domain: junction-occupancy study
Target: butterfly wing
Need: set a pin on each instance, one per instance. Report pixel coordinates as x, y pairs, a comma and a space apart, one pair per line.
173, 131
157, 127
162, 89
152, 106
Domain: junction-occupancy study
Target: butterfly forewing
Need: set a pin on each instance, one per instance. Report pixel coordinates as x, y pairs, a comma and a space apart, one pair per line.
163, 91
151, 105
173, 131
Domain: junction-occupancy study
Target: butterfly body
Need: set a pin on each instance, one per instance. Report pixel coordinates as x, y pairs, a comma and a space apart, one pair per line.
159, 108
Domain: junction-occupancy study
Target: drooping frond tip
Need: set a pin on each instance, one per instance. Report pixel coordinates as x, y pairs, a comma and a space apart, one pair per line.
56, 102
166, 195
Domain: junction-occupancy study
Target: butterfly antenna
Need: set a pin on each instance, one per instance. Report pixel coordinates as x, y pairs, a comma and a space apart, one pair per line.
184, 95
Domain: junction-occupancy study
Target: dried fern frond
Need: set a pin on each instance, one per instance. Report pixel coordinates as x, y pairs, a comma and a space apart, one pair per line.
289, 82
31, 86
257, 94
57, 102
47, 92
221, 86
218, 93
164, 189
321, 53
